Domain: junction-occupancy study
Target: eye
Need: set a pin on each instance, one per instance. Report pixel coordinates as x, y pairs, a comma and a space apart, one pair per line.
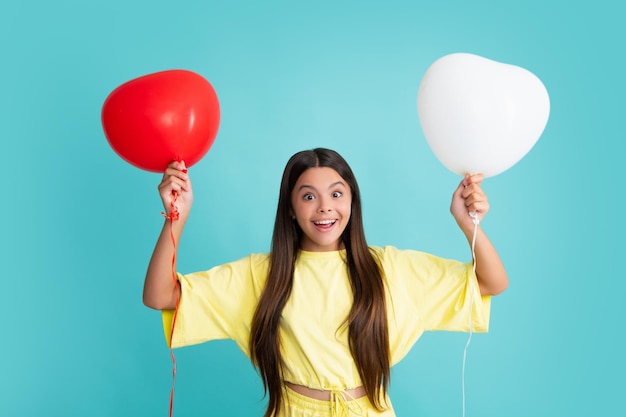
337, 194
308, 196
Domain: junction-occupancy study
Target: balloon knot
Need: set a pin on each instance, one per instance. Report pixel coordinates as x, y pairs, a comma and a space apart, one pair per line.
174, 214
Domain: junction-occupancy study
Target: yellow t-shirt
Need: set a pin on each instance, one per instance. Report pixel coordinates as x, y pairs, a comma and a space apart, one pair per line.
424, 292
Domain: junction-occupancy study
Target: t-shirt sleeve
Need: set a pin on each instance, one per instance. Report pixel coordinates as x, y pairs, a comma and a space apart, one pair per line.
444, 293
217, 304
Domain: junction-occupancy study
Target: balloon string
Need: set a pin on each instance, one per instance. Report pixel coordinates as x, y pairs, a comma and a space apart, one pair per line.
476, 221
174, 215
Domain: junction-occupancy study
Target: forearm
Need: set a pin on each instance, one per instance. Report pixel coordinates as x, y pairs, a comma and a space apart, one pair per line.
160, 290
490, 271
470, 204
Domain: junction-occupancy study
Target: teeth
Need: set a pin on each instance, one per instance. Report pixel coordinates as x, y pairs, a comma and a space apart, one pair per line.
325, 222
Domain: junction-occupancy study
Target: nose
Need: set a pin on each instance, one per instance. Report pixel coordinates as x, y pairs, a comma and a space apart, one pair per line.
324, 206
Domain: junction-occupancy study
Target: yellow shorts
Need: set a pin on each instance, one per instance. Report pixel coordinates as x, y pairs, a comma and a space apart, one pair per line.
298, 405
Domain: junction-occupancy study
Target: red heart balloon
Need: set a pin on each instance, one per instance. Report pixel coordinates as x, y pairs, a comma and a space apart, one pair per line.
162, 117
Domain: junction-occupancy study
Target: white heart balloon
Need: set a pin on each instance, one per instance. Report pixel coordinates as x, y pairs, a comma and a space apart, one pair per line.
479, 115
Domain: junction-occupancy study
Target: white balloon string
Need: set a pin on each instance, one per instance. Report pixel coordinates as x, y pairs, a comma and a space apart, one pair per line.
476, 221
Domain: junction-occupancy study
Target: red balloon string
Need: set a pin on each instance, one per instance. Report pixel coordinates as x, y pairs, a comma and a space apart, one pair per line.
174, 215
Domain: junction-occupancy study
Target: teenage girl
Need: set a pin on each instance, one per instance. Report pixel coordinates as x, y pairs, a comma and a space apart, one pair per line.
324, 316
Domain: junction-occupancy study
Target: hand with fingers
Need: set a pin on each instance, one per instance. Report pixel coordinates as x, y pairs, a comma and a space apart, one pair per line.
469, 202
175, 191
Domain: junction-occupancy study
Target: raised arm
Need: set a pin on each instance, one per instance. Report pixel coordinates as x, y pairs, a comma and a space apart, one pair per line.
469, 197
160, 290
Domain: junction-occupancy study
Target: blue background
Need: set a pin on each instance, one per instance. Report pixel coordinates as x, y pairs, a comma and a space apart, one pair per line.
79, 223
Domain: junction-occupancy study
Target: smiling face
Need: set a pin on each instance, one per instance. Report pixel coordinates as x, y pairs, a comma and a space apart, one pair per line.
321, 202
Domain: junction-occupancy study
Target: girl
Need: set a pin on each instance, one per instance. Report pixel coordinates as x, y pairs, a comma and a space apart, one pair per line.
323, 316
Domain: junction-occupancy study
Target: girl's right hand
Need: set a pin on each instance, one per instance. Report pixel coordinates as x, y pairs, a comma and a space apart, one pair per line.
175, 187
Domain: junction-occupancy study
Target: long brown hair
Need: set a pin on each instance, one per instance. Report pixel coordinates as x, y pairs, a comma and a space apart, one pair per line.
367, 321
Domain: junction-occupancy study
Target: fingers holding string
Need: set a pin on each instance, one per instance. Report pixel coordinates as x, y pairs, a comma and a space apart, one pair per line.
175, 185
175, 178
474, 196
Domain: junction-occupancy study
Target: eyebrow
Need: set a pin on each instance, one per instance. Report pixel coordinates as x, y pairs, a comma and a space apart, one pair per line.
334, 184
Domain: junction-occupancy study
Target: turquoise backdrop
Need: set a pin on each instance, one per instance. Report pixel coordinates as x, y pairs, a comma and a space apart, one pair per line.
79, 223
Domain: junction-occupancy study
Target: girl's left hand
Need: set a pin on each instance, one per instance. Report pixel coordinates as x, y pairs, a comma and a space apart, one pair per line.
468, 198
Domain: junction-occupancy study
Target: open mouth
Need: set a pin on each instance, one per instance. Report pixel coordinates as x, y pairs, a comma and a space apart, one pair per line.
325, 224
